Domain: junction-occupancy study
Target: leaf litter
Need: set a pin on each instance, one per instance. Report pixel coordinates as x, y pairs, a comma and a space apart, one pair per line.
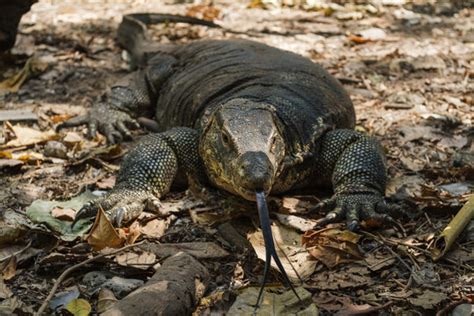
408, 70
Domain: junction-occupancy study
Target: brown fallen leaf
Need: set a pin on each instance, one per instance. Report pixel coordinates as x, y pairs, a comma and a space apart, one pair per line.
106, 183
358, 39
345, 277
298, 204
72, 139
332, 246
9, 269
106, 300
33, 66
5, 292
299, 223
274, 303
137, 259
205, 12
26, 136
428, 299
58, 118
155, 228
103, 234
292, 256
64, 214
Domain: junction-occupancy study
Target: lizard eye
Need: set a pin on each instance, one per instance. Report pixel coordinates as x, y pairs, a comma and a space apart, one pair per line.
225, 140
273, 144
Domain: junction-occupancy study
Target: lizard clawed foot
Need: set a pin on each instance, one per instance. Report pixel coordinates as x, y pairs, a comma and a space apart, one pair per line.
369, 207
121, 206
110, 122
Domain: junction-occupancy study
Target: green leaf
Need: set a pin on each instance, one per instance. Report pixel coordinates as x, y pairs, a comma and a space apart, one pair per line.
79, 307
40, 212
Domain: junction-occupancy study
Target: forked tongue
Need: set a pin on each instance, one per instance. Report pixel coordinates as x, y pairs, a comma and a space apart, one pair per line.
270, 251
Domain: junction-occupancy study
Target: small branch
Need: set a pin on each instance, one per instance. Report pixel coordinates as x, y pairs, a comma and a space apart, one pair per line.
75, 267
452, 305
370, 310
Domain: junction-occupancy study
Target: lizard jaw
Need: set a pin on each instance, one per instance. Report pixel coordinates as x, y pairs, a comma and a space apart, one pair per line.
253, 171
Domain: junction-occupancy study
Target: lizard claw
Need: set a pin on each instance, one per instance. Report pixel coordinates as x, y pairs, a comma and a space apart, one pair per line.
88, 210
355, 207
120, 206
112, 123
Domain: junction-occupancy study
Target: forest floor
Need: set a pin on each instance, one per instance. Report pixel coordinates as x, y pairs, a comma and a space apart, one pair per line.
408, 67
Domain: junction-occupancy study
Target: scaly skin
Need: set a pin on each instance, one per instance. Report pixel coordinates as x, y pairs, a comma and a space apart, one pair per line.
245, 117
241, 117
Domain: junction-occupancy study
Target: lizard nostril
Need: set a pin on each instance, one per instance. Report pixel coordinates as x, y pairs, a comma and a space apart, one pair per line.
255, 171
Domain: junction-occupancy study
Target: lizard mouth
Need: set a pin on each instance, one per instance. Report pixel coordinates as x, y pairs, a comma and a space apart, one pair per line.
253, 172
250, 194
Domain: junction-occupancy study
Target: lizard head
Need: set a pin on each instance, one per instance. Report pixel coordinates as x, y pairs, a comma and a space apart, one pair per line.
242, 147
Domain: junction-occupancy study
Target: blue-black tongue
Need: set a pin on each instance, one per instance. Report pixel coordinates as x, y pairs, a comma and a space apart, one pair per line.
270, 251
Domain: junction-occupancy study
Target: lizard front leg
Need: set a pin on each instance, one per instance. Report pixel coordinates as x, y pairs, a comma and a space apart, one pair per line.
355, 165
147, 173
133, 96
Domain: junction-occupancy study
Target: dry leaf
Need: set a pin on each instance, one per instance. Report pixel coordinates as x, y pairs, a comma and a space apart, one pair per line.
72, 139
32, 67
103, 234
155, 228
9, 270
287, 246
106, 300
58, 118
64, 214
107, 183
274, 303
205, 12
5, 292
26, 136
299, 223
358, 39
428, 299
332, 246
141, 260
298, 204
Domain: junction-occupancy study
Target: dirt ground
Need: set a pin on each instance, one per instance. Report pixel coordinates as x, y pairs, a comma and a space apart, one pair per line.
408, 66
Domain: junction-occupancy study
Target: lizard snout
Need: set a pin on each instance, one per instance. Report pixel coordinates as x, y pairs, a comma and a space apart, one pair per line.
254, 172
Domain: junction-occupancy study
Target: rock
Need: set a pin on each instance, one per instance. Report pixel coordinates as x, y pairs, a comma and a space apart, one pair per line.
463, 159
55, 149
121, 286
463, 309
373, 34
428, 63
95, 279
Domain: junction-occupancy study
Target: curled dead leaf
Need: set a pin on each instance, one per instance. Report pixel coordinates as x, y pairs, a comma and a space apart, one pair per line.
103, 233
332, 246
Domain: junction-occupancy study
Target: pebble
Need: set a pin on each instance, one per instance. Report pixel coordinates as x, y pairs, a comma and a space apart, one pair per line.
55, 149
121, 286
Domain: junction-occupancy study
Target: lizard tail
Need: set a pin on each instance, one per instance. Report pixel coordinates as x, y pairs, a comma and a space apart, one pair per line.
132, 32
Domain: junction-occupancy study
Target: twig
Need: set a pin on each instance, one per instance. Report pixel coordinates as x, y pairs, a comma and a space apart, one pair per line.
452, 305
75, 267
371, 309
424, 251
383, 242
429, 221
16, 252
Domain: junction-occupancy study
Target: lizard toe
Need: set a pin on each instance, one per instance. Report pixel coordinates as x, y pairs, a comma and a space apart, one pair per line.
334, 216
125, 213
326, 204
88, 210
352, 217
